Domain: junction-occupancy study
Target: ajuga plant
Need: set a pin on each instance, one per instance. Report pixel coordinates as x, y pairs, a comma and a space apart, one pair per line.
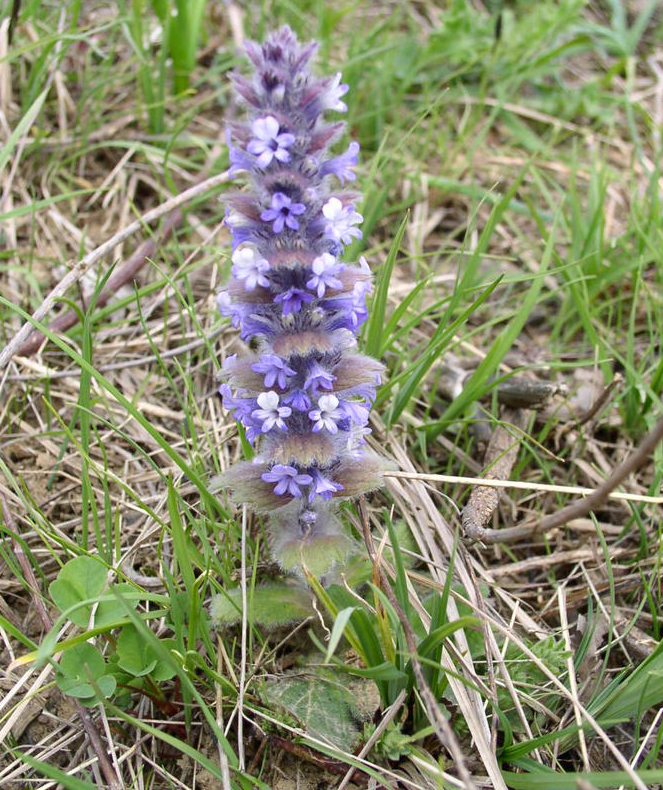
301, 391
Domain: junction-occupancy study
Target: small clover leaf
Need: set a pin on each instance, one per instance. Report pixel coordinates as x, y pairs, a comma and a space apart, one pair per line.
81, 673
109, 612
136, 656
81, 579
86, 579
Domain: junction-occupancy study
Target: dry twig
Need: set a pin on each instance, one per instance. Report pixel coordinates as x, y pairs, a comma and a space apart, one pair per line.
522, 485
582, 507
86, 263
123, 275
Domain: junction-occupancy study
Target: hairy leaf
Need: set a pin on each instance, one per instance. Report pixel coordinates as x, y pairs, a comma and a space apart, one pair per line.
270, 605
321, 704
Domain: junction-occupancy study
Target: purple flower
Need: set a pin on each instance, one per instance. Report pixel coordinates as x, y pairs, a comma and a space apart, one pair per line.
341, 166
318, 378
327, 415
341, 221
345, 315
241, 409
367, 391
249, 266
325, 268
287, 479
323, 487
293, 299
308, 517
241, 227
253, 324
283, 212
356, 411
229, 402
331, 99
298, 399
227, 309
224, 305
351, 309
270, 414
267, 143
359, 294
275, 370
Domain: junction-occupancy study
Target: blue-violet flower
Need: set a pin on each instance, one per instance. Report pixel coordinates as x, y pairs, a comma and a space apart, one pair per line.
267, 143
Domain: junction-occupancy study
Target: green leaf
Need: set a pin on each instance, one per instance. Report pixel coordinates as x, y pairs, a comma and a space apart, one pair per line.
180, 539
548, 780
342, 619
475, 387
410, 379
81, 579
160, 8
82, 672
270, 605
322, 705
133, 653
166, 656
437, 637
22, 128
38, 205
51, 772
110, 612
629, 695
377, 312
86, 579
16, 633
385, 671
164, 671
393, 328
515, 752
136, 656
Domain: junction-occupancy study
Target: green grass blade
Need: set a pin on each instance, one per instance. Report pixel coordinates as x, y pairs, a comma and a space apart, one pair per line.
548, 780
415, 373
22, 128
51, 772
476, 385
165, 655
131, 409
375, 338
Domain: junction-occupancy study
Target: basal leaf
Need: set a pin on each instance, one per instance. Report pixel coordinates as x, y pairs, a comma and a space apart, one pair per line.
136, 656
82, 671
270, 605
81, 579
321, 704
112, 611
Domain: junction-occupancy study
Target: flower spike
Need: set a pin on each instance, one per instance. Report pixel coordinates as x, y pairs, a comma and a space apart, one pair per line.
304, 395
